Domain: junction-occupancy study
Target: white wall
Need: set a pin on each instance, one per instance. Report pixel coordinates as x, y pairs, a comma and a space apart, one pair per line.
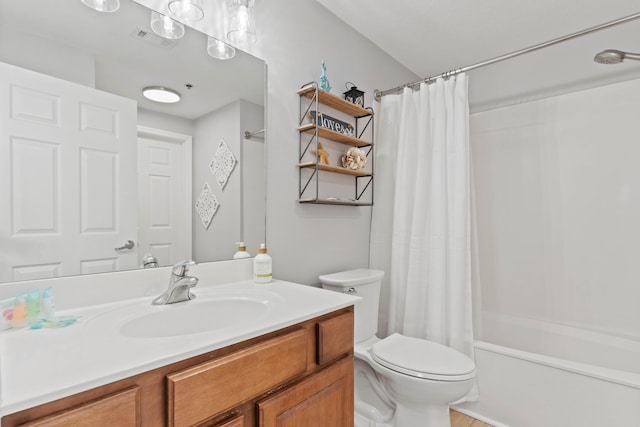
294, 37
558, 202
217, 241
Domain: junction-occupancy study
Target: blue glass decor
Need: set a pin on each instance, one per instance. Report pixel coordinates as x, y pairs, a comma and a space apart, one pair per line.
324, 82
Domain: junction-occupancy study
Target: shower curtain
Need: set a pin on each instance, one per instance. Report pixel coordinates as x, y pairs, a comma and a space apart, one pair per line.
421, 233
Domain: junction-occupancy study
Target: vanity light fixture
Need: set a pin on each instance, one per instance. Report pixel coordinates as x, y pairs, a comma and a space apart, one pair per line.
103, 5
161, 94
188, 10
242, 22
219, 49
166, 27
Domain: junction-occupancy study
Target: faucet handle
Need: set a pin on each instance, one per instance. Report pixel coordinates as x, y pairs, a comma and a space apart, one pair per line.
182, 268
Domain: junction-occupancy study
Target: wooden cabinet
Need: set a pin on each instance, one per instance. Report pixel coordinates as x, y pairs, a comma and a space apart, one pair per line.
360, 135
301, 375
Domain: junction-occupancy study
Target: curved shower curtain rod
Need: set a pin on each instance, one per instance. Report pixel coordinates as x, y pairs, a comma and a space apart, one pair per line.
380, 93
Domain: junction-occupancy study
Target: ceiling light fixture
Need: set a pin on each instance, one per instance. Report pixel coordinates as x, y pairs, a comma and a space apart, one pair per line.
219, 49
242, 25
103, 5
188, 10
166, 27
161, 94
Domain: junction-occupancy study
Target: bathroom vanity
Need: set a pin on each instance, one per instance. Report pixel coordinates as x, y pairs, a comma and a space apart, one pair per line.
292, 363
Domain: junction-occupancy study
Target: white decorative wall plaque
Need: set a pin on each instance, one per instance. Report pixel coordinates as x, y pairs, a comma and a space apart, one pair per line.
206, 205
222, 164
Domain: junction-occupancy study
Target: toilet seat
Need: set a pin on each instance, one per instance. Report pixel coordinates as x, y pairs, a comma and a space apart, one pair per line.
422, 359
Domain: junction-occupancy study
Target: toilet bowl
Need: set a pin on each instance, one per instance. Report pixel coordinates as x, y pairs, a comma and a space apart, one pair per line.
400, 381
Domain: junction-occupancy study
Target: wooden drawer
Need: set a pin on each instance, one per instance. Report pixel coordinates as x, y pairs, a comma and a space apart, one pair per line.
203, 391
335, 337
119, 409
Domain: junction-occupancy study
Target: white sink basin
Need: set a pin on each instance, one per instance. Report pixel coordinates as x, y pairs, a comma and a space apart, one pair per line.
192, 317
209, 312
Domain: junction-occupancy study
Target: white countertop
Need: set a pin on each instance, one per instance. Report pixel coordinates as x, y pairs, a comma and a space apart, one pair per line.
39, 366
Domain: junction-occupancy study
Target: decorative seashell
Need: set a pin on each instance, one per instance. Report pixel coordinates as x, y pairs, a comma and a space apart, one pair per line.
354, 159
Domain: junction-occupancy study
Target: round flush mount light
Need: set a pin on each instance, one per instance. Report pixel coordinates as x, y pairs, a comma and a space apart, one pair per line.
161, 94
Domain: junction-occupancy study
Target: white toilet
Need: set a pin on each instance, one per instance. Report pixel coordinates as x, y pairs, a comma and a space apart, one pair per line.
399, 381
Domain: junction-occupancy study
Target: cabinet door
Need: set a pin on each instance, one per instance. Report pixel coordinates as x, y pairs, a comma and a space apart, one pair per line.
325, 399
120, 409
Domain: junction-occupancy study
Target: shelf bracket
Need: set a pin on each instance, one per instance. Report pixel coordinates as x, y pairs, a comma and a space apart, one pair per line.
302, 116
315, 171
306, 148
359, 195
366, 125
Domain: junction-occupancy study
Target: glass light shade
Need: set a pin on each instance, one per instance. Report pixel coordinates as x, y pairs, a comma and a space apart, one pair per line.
103, 5
161, 94
242, 22
219, 49
188, 10
166, 27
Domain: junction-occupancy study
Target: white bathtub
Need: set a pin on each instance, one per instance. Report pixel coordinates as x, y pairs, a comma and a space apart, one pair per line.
540, 374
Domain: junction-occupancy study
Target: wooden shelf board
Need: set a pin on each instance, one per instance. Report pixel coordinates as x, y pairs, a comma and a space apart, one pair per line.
335, 101
334, 136
335, 202
333, 169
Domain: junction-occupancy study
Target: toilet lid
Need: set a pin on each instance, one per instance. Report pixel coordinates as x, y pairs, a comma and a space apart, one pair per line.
423, 359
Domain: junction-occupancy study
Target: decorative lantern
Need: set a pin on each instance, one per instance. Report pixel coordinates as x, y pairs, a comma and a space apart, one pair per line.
354, 95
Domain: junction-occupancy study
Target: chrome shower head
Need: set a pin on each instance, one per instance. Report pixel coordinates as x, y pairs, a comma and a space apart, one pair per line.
612, 56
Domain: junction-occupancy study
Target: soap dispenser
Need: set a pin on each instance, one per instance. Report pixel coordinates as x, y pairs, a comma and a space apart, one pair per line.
262, 266
242, 251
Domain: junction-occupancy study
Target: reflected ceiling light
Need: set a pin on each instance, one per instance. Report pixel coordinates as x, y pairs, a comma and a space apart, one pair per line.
161, 94
103, 5
219, 49
166, 27
189, 10
242, 22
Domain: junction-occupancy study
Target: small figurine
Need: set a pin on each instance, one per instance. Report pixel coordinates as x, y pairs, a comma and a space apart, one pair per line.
323, 155
324, 82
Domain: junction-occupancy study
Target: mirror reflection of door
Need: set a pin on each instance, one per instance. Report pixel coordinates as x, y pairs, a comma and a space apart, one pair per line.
68, 156
164, 195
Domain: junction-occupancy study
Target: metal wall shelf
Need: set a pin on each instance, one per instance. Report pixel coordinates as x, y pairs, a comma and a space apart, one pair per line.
363, 179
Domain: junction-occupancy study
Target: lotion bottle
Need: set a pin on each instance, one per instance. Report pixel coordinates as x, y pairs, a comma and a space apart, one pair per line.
242, 251
262, 266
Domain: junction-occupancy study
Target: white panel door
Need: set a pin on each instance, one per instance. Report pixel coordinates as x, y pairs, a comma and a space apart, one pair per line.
67, 177
164, 197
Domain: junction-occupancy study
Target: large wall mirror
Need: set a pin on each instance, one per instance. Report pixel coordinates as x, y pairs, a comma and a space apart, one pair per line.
93, 176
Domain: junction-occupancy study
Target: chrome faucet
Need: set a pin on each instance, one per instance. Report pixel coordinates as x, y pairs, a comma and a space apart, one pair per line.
179, 285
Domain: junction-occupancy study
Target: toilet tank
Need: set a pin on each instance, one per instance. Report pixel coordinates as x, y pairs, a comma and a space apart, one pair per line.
364, 283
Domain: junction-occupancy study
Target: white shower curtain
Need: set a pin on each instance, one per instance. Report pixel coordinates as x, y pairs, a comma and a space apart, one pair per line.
422, 220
